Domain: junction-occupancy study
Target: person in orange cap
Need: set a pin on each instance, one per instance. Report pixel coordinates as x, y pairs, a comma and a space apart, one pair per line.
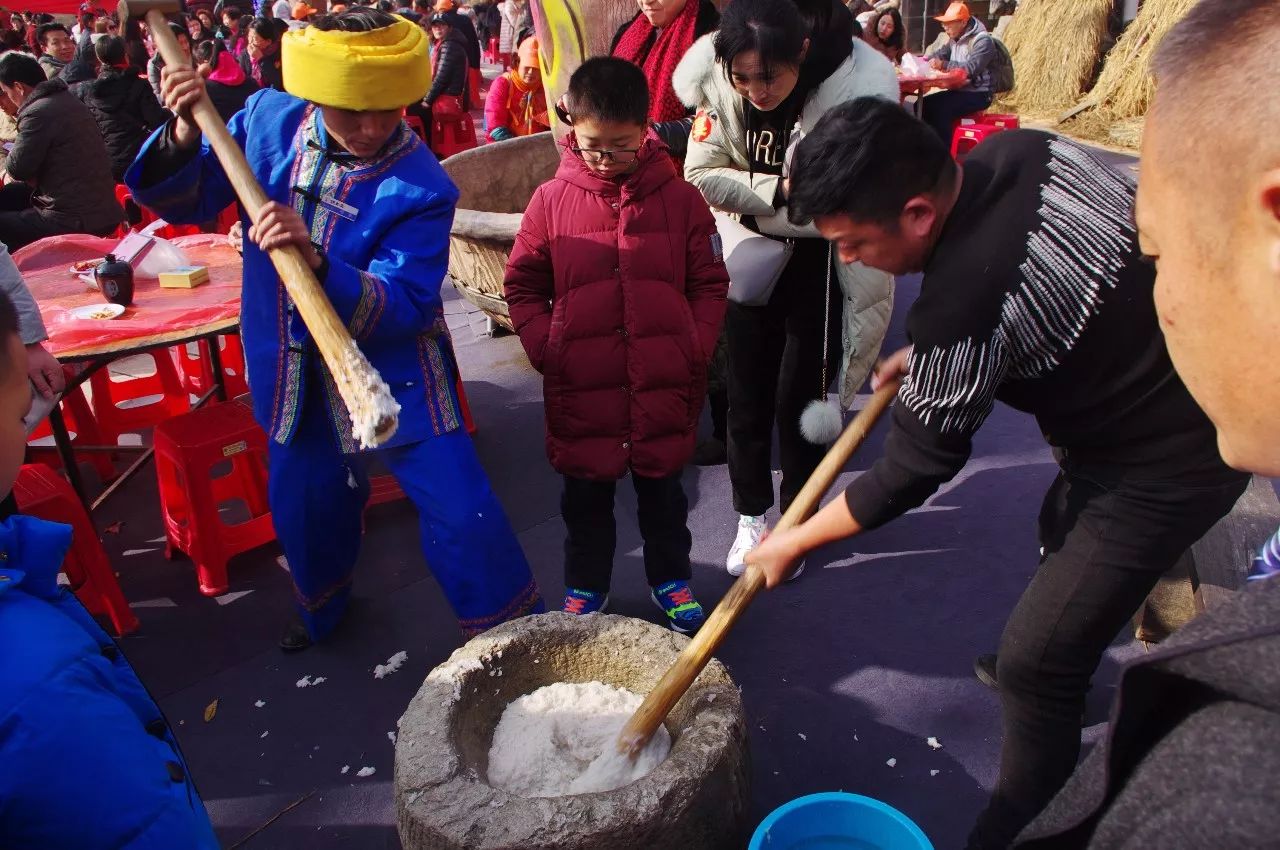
969, 47
303, 12
517, 103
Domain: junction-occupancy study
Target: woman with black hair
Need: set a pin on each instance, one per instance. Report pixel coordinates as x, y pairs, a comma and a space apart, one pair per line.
197, 31
771, 72
655, 40
261, 58
135, 46
227, 83
122, 103
886, 33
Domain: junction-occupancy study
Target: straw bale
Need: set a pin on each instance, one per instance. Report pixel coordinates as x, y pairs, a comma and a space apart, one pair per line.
1056, 47
1125, 87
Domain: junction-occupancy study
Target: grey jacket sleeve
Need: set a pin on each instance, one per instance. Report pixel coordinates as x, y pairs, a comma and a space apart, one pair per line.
982, 52
943, 52
30, 325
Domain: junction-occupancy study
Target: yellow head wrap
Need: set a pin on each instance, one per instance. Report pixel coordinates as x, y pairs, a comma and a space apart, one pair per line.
384, 69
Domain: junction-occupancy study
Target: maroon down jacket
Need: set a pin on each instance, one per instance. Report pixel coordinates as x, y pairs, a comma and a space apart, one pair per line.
617, 290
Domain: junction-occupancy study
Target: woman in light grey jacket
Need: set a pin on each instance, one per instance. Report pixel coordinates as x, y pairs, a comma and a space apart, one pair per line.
771, 72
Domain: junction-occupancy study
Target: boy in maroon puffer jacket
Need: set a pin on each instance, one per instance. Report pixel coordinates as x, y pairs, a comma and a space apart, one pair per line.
617, 288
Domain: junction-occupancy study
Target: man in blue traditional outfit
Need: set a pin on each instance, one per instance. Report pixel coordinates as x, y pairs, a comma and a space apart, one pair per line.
370, 209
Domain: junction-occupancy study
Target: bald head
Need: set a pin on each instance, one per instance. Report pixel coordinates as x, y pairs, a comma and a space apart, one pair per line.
1209, 213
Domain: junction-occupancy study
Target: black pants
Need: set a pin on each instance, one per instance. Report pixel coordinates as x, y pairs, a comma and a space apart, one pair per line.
1108, 535
718, 389
775, 369
20, 223
941, 109
587, 507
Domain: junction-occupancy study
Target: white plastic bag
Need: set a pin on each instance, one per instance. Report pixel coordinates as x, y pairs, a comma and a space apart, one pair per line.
914, 66
163, 255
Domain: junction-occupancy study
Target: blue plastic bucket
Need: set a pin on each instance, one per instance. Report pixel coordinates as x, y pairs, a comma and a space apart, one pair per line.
838, 821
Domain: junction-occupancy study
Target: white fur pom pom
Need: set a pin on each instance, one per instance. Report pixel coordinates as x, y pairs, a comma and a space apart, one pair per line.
821, 422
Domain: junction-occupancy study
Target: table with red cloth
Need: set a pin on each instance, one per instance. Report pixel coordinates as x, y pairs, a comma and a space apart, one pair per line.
158, 318
920, 86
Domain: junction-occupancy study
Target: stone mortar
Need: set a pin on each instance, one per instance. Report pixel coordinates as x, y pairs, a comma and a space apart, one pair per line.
696, 799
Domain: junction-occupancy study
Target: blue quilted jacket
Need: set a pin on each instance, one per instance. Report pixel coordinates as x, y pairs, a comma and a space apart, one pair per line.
87, 762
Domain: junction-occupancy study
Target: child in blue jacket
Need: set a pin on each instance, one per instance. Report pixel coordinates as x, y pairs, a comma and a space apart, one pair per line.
87, 762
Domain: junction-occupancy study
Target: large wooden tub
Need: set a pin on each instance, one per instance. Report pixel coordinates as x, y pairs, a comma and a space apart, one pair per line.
496, 182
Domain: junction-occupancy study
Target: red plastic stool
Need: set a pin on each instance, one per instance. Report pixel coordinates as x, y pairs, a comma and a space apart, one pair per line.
81, 428
42, 493
467, 421
383, 488
131, 405
197, 379
967, 137
473, 88
188, 447
455, 136
1003, 120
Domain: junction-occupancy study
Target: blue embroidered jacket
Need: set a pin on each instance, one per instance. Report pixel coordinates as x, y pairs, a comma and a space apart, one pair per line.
88, 761
384, 226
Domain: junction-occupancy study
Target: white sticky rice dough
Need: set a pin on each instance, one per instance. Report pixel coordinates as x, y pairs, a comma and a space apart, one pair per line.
562, 739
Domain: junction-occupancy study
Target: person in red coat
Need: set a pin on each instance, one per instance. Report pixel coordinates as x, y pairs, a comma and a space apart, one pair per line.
617, 288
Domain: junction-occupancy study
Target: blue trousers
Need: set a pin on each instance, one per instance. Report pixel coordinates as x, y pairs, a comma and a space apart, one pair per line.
317, 497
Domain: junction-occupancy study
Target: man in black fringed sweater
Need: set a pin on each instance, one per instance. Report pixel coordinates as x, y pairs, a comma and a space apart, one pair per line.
1035, 293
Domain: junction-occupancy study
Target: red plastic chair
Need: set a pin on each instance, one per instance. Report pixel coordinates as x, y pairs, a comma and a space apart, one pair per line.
132, 405
81, 428
969, 136
40, 492
491, 51
197, 379
453, 136
188, 448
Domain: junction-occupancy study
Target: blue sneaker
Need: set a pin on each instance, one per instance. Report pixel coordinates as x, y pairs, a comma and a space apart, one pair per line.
584, 602
684, 614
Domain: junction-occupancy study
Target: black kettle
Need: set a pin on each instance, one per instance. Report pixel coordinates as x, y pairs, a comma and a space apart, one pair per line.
115, 279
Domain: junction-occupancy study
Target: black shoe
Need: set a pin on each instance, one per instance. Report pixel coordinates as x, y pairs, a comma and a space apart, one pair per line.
985, 669
296, 637
711, 452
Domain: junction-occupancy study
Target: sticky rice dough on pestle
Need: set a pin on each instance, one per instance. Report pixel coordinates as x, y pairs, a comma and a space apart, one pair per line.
562, 739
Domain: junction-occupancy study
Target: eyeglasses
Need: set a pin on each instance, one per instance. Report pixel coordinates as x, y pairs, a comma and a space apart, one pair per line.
621, 157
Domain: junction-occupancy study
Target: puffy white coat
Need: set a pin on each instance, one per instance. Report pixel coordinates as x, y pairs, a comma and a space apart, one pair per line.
718, 165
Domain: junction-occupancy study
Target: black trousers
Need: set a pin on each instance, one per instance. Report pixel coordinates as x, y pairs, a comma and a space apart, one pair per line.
1108, 535
775, 370
718, 389
20, 223
942, 108
587, 508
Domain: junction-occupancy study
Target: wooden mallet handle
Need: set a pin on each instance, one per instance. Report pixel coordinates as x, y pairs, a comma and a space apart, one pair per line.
355, 379
702, 647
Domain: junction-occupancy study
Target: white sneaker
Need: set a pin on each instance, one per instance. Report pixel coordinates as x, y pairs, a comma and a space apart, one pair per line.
750, 530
